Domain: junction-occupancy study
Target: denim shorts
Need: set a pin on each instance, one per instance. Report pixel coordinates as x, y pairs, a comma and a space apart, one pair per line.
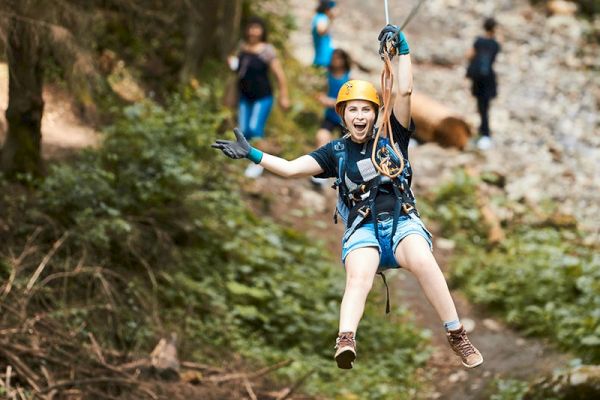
364, 236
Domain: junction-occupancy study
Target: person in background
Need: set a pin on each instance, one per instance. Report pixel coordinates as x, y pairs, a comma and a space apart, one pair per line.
321, 27
481, 73
338, 73
256, 58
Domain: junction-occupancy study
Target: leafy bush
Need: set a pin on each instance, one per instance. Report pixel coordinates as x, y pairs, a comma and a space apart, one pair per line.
509, 389
543, 279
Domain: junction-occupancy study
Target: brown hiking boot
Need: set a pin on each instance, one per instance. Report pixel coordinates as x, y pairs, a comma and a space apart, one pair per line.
470, 356
345, 350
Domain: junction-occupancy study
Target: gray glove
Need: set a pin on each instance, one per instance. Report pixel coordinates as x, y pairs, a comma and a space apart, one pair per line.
238, 149
393, 35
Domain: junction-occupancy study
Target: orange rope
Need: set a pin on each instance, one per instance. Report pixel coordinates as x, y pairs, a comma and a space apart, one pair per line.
385, 165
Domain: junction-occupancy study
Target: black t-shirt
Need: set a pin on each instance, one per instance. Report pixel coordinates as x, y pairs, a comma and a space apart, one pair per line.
359, 167
481, 68
253, 73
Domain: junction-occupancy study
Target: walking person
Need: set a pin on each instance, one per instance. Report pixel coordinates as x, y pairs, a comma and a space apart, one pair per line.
321, 33
255, 60
481, 72
338, 73
383, 227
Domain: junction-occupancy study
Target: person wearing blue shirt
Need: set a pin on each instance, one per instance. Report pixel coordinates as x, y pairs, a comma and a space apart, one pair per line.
321, 26
338, 73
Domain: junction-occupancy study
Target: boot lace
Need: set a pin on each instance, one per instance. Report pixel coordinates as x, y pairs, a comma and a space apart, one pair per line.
460, 343
344, 339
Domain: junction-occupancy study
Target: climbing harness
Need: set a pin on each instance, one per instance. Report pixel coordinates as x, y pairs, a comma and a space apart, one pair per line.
362, 197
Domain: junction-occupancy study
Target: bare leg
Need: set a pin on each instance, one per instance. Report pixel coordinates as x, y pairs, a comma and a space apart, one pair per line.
414, 255
361, 266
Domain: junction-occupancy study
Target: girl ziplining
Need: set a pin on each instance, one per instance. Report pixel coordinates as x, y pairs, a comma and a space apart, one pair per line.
373, 176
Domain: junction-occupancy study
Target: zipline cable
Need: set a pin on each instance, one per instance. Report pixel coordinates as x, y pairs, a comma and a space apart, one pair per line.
412, 14
387, 13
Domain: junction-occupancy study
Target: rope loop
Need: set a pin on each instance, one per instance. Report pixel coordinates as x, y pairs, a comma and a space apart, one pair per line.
380, 157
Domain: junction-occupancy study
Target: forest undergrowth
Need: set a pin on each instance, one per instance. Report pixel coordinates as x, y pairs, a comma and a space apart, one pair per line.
148, 235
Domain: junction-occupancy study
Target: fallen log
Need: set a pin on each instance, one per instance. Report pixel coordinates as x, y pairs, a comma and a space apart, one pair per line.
437, 123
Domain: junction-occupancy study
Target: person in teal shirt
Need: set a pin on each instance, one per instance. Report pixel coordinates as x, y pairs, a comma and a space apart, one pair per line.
321, 27
338, 73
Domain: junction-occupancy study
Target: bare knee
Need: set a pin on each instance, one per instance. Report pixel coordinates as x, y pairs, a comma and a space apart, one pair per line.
360, 282
420, 264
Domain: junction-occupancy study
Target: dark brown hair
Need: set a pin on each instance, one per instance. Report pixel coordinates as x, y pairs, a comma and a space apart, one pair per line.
345, 56
489, 24
256, 21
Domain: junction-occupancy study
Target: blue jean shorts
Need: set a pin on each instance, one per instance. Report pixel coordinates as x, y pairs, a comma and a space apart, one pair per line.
364, 236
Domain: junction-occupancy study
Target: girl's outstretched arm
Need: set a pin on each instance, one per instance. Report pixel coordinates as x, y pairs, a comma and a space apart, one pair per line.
300, 167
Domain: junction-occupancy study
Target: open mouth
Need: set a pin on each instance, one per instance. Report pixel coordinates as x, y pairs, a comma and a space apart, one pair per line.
360, 126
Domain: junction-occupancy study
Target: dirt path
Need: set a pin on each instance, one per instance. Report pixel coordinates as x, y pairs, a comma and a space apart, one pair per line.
61, 128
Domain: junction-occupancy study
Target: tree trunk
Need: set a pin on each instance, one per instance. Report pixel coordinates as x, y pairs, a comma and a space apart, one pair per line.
228, 34
22, 149
212, 30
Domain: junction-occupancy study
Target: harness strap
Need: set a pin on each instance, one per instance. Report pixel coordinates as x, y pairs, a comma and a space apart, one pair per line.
397, 193
387, 293
374, 210
341, 154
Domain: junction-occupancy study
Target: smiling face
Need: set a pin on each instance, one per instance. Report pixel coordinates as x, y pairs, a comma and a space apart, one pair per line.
359, 117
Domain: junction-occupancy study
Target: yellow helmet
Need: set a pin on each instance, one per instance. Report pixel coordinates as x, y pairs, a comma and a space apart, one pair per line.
356, 90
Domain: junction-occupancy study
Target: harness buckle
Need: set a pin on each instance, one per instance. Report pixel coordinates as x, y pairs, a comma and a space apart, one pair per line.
364, 211
407, 208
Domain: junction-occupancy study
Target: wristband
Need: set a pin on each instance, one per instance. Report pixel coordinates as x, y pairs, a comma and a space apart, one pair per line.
402, 45
255, 155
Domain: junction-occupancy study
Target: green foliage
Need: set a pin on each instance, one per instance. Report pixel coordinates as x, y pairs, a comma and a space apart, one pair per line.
390, 354
543, 279
509, 389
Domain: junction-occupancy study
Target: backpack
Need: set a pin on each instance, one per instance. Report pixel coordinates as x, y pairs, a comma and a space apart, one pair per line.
481, 66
